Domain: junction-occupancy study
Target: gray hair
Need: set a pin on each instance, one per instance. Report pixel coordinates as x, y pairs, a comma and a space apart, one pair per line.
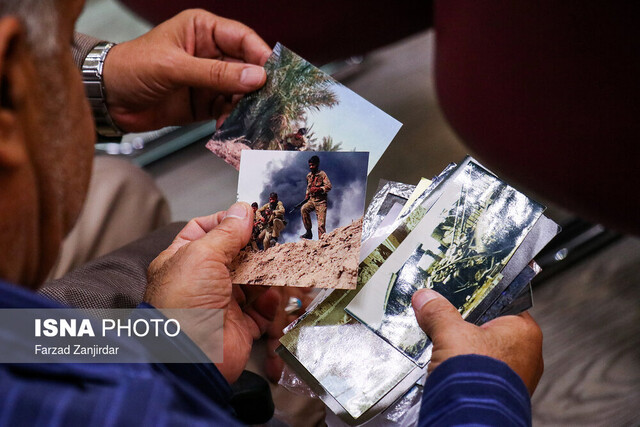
40, 19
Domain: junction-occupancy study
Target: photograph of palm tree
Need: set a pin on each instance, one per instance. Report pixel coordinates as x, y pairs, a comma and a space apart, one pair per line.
301, 108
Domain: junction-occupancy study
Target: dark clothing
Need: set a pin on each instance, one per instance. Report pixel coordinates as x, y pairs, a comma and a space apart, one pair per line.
474, 390
116, 394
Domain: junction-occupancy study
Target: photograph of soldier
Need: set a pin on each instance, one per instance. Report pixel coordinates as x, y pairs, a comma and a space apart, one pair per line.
303, 182
301, 108
273, 221
318, 185
278, 256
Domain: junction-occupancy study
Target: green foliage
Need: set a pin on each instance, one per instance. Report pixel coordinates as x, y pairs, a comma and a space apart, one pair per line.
327, 144
312, 139
293, 88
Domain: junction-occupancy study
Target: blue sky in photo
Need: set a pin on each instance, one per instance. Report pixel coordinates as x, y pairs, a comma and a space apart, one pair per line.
358, 124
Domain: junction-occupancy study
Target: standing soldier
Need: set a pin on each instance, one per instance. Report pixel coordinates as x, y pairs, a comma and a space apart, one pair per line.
318, 185
273, 214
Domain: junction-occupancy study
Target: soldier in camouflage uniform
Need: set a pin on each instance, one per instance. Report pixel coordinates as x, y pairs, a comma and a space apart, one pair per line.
273, 215
258, 225
318, 185
295, 141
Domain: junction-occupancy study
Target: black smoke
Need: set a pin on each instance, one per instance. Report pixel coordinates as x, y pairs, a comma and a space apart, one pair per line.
347, 172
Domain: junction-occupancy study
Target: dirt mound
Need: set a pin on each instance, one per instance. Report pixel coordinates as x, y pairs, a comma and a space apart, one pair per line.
228, 150
331, 262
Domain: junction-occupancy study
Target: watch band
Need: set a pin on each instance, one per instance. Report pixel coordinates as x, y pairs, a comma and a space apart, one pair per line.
94, 88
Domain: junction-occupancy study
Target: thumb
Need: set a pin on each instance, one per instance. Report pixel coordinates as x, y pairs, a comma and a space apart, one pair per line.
434, 313
232, 234
221, 76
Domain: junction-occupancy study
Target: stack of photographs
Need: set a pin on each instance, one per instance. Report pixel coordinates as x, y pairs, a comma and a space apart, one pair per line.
465, 234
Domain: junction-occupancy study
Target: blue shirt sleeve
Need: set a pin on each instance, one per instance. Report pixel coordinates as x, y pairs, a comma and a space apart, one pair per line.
474, 390
205, 377
108, 394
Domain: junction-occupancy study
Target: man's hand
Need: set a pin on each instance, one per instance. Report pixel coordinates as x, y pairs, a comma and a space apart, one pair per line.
315, 189
193, 273
189, 68
515, 340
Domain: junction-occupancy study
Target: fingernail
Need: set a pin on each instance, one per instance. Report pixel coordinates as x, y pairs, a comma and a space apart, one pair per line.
236, 210
422, 297
251, 76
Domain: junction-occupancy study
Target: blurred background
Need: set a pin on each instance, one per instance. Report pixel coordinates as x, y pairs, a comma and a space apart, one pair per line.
587, 301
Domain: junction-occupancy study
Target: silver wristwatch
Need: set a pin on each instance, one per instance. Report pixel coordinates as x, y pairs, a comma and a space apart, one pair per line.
94, 88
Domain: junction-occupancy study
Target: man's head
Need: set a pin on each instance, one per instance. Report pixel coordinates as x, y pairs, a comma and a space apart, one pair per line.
46, 135
314, 162
273, 197
254, 206
301, 132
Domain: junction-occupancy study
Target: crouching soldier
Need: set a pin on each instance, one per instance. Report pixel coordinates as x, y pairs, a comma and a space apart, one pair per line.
258, 226
273, 215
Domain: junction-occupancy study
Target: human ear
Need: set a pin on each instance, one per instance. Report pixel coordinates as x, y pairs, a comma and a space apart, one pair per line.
12, 147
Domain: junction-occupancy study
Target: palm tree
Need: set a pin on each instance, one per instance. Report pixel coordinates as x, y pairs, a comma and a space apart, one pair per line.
293, 88
327, 144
